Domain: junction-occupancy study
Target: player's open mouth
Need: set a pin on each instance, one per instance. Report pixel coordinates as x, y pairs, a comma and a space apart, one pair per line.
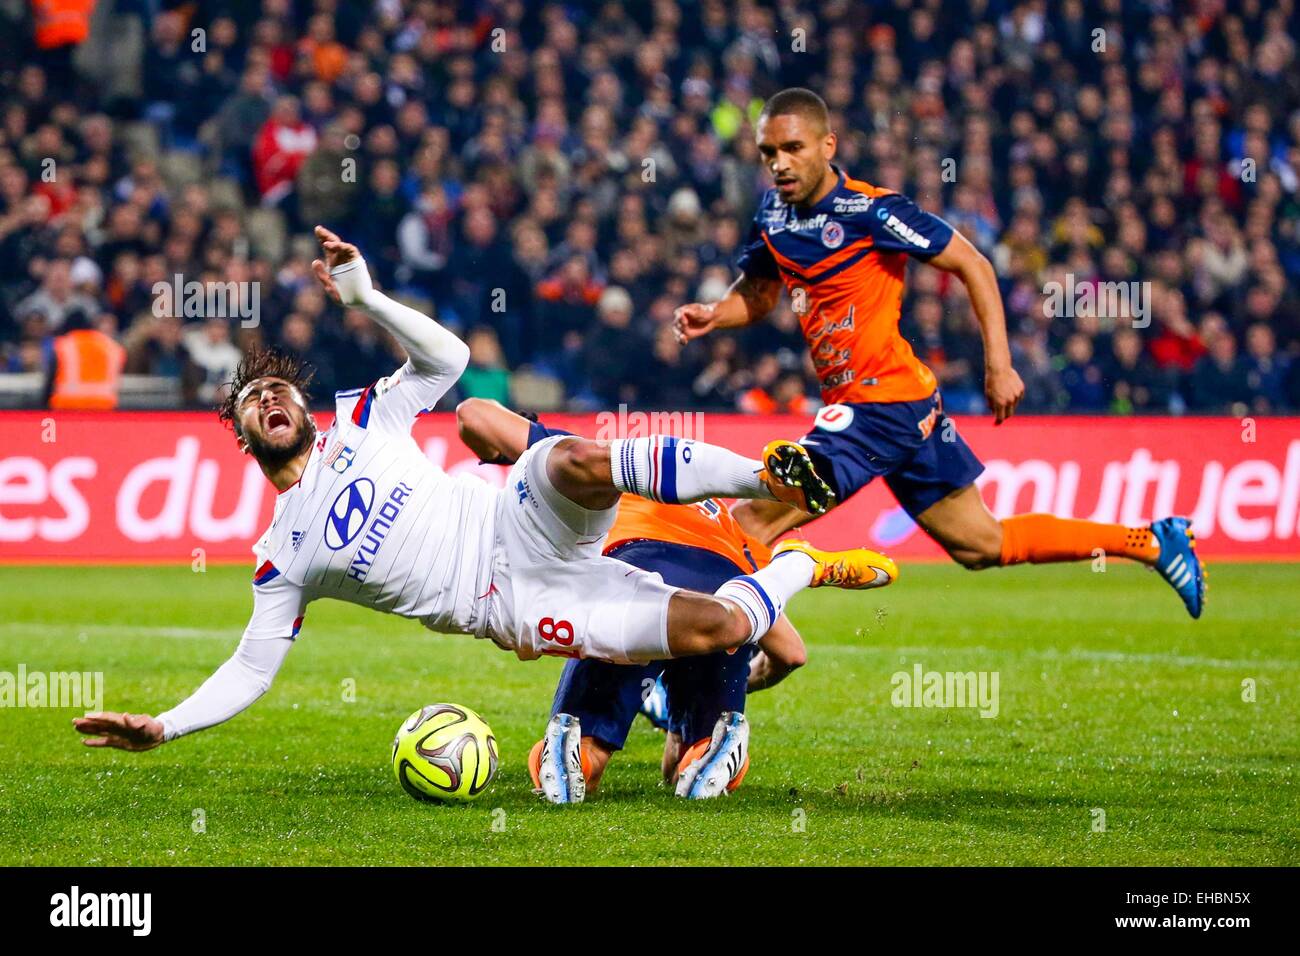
276, 421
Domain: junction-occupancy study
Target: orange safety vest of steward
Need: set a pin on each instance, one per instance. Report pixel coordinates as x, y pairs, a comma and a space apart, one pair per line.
88, 368
61, 22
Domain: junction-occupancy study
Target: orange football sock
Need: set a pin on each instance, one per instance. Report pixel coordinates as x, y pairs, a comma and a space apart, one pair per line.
584, 753
1044, 539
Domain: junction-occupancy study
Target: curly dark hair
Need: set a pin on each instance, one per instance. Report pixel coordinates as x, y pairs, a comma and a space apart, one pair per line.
263, 363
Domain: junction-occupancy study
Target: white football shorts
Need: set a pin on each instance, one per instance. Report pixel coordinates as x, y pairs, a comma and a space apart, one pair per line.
553, 592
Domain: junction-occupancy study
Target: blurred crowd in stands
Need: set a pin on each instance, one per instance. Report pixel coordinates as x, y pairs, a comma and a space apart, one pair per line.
552, 179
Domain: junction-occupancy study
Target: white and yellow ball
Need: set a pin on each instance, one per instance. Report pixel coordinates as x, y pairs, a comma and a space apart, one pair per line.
445, 752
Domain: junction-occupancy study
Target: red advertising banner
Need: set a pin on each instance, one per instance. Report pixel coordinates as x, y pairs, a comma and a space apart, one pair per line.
155, 486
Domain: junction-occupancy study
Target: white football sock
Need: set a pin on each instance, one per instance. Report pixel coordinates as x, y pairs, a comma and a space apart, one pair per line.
677, 471
763, 594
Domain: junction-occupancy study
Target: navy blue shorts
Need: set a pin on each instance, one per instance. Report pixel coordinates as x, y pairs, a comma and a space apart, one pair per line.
913, 445
607, 697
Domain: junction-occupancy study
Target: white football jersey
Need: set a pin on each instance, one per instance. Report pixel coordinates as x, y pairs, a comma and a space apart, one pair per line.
373, 521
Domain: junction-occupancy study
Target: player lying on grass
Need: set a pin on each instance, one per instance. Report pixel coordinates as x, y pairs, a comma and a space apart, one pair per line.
840, 246
363, 516
697, 546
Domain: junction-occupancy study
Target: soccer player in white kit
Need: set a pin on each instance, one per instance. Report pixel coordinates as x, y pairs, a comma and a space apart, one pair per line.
363, 516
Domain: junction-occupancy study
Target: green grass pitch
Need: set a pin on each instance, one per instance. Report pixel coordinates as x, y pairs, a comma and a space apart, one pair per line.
1111, 699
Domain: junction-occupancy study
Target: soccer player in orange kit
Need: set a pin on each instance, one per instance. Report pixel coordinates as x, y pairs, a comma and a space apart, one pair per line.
840, 247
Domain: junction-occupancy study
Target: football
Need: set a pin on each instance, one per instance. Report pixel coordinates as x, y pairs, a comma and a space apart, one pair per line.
445, 753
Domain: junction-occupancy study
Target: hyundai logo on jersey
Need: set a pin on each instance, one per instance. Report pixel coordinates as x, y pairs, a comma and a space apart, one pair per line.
348, 513
374, 539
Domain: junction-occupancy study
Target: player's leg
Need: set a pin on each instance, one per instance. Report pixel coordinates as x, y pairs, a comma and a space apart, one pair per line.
561, 500
962, 525
596, 702
970, 533
936, 486
849, 446
766, 521
660, 467
593, 474
743, 609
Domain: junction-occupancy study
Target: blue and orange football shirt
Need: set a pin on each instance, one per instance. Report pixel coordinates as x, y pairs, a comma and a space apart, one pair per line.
842, 260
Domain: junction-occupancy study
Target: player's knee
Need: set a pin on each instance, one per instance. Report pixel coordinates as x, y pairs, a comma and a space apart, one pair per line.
580, 461
703, 624
722, 626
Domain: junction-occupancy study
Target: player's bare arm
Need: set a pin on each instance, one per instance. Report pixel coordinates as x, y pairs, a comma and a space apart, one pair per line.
781, 652
749, 300
1002, 385
491, 431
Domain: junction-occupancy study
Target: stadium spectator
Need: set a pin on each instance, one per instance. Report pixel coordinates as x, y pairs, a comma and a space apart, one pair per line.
235, 126
282, 146
214, 355
478, 260
486, 376
57, 297
363, 349
1081, 376
298, 336
615, 353
156, 346
1135, 385
1220, 381
87, 368
567, 301
1266, 371
955, 356
775, 391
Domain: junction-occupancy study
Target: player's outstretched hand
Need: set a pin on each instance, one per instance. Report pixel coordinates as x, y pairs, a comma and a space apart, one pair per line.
123, 731
692, 321
1004, 390
337, 252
